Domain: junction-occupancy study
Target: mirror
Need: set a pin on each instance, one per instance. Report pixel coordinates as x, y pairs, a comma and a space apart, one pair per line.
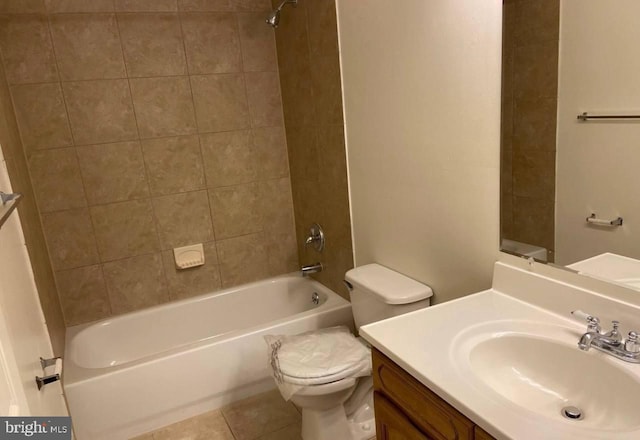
569, 185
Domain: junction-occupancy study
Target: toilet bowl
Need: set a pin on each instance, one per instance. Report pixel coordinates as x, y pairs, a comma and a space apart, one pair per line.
337, 404
323, 409
324, 415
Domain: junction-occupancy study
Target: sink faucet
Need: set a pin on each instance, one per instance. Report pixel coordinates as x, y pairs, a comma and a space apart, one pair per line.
612, 338
611, 342
312, 268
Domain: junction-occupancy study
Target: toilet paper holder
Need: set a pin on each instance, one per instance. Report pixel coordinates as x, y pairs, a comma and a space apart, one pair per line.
594, 220
45, 380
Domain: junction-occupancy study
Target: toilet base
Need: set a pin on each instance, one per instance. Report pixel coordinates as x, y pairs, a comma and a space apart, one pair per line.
365, 430
333, 424
362, 422
341, 410
325, 424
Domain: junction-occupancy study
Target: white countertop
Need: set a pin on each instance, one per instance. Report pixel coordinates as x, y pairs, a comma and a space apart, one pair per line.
611, 267
426, 344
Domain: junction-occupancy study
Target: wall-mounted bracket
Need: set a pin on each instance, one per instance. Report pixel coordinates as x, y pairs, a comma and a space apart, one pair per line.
9, 204
50, 378
592, 219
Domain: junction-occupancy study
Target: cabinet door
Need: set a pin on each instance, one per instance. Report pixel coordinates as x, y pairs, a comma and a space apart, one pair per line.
391, 424
428, 411
481, 434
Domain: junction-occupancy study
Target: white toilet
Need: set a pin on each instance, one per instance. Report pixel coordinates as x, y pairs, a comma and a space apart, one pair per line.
337, 406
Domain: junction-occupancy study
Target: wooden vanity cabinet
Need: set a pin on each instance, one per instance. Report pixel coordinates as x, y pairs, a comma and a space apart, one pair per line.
392, 424
407, 410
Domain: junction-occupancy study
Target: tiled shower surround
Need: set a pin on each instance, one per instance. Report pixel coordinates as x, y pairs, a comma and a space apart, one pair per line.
149, 125
309, 62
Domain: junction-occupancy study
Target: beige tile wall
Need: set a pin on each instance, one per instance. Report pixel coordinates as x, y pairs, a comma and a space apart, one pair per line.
30, 219
150, 125
529, 107
309, 65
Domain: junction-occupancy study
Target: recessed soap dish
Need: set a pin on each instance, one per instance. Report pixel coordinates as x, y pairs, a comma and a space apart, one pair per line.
189, 256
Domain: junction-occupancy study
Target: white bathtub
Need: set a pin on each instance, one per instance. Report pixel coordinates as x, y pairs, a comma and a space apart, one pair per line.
134, 373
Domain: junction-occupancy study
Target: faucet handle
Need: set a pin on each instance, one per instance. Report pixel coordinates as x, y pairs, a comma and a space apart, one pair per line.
631, 344
579, 314
315, 237
593, 323
615, 338
614, 328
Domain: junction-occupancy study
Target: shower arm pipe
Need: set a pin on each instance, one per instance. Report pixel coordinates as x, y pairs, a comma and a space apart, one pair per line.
273, 19
294, 2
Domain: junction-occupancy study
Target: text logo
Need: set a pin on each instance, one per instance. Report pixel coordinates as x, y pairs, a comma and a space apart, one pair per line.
40, 428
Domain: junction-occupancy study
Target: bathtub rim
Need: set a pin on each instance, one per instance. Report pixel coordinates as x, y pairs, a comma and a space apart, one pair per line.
75, 374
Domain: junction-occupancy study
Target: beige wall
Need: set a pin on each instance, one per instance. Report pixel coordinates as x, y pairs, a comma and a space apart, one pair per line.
147, 126
598, 162
422, 107
30, 219
529, 107
310, 79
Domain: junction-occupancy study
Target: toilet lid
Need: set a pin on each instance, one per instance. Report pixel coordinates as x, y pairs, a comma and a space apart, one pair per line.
361, 369
317, 358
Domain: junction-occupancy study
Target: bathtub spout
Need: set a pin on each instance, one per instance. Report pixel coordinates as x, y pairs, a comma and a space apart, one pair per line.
312, 268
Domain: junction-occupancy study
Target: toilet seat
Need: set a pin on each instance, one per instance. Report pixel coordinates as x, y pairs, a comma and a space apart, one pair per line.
327, 388
326, 379
322, 358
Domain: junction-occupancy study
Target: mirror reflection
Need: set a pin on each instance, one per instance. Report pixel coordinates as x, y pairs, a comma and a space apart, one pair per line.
569, 185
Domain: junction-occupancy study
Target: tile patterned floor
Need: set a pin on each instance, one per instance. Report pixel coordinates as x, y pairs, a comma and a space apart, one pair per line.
263, 417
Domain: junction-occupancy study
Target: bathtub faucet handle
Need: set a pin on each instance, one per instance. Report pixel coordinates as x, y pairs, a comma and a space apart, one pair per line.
315, 237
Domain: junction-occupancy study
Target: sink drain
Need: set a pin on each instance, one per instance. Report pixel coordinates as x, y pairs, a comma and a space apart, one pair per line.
572, 413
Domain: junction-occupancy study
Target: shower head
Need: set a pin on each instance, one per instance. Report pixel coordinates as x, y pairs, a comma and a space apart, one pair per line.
273, 18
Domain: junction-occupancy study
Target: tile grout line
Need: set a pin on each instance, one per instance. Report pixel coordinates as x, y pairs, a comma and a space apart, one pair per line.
204, 165
159, 196
95, 240
252, 146
284, 125
63, 81
82, 179
152, 210
224, 417
146, 139
161, 250
252, 127
257, 401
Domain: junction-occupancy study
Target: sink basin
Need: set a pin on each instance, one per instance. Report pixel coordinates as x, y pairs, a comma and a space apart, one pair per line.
631, 282
611, 267
540, 369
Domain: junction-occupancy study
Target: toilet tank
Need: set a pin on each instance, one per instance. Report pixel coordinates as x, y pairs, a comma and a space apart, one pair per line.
379, 293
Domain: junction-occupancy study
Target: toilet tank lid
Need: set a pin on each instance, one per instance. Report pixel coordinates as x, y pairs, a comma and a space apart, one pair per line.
388, 285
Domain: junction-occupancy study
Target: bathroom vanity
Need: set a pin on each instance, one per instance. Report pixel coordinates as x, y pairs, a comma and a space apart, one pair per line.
407, 409
505, 363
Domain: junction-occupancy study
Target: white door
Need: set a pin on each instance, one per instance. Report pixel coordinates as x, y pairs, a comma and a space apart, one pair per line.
12, 398
23, 333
